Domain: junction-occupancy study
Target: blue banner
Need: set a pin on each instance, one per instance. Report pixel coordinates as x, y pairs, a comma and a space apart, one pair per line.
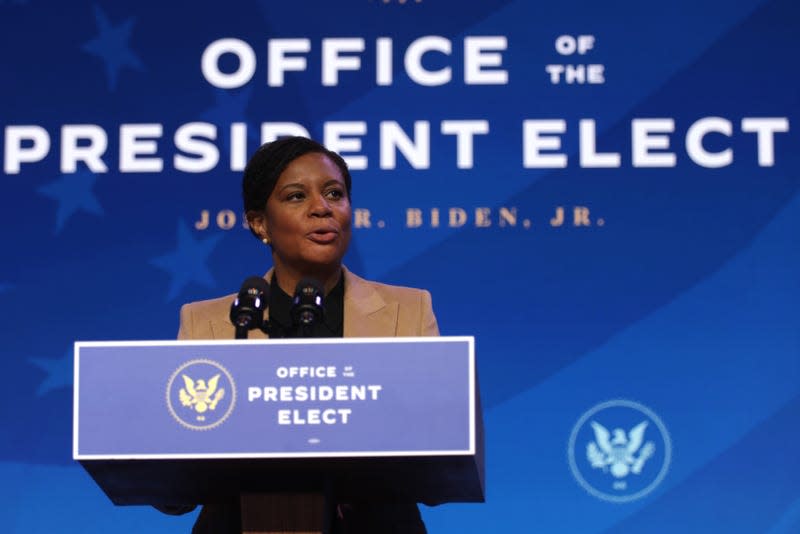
605, 196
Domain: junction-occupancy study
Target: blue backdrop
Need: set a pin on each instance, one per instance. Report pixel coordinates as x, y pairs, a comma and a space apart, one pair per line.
604, 195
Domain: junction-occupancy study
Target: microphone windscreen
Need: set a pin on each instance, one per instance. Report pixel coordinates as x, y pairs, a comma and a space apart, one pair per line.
257, 284
247, 309
309, 287
307, 305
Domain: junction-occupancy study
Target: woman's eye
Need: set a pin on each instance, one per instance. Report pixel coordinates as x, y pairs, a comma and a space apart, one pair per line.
335, 194
297, 195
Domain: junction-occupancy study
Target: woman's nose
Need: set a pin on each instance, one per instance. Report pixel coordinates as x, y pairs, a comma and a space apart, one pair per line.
320, 206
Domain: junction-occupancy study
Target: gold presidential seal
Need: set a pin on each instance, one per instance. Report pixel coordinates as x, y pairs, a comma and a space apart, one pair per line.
201, 394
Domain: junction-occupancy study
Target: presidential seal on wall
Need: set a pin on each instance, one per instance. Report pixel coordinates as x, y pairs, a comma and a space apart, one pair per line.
201, 394
619, 451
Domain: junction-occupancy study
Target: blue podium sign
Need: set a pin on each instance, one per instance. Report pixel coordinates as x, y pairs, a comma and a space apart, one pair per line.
274, 399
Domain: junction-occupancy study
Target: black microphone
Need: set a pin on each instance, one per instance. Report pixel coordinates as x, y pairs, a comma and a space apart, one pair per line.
247, 311
307, 307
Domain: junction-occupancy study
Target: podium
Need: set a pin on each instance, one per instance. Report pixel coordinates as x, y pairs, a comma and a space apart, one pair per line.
283, 425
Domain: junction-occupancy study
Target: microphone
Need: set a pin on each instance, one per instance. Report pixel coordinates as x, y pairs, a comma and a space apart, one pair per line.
307, 307
247, 310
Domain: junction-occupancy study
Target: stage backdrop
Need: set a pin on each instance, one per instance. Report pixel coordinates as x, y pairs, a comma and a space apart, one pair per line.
604, 194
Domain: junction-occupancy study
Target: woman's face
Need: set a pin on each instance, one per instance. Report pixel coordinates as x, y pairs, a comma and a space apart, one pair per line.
307, 217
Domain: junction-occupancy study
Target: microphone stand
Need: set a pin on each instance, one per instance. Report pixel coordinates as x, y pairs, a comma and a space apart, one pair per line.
242, 328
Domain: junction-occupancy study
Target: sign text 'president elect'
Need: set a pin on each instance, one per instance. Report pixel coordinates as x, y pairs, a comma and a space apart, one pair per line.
325, 393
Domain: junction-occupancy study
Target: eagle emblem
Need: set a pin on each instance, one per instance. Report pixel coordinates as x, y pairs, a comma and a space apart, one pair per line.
625, 460
200, 395
619, 452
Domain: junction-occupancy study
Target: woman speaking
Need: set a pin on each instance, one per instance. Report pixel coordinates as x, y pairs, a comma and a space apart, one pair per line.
297, 201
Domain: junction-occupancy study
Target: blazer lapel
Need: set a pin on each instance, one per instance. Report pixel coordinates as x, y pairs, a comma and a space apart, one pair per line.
366, 313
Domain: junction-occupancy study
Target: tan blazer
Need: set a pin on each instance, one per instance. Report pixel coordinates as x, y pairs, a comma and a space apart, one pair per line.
370, 310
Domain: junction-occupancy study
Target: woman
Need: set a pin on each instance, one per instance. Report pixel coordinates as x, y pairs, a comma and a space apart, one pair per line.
297, 200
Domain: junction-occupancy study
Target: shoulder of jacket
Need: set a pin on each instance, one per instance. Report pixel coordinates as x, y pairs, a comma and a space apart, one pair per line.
391, 292
400, 291
210, 307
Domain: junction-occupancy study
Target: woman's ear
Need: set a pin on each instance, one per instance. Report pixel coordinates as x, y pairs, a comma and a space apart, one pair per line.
257, 223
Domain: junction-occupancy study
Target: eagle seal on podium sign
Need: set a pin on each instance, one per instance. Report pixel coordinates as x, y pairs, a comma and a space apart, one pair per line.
199, 400
199, 396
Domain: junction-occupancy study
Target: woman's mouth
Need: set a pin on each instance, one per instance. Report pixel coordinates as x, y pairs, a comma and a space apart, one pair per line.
323, 236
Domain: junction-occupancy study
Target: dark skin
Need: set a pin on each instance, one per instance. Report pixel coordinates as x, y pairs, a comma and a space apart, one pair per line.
307, 221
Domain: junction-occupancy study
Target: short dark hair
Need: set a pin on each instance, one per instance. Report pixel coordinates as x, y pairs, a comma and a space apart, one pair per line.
271, 159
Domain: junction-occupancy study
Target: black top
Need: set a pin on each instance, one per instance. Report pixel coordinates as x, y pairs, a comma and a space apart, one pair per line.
280, 313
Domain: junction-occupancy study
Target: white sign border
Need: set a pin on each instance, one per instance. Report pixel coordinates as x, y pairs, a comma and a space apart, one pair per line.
470, 340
